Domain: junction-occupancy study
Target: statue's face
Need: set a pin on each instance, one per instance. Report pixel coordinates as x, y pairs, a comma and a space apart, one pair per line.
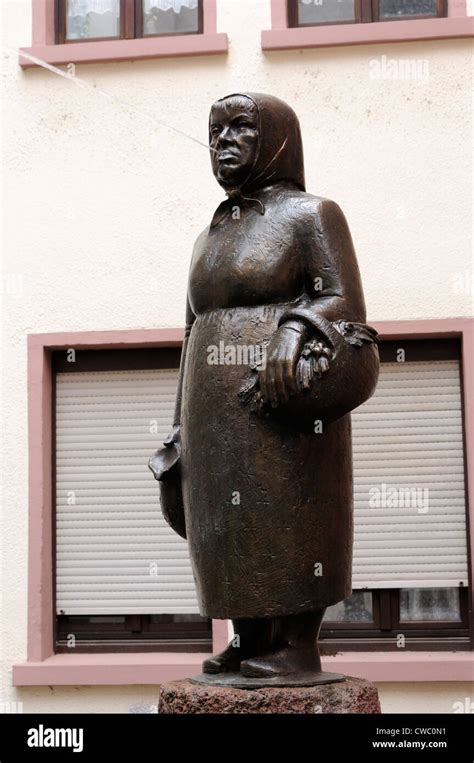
234, 138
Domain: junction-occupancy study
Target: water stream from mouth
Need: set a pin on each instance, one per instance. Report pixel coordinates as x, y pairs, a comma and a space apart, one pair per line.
92, 88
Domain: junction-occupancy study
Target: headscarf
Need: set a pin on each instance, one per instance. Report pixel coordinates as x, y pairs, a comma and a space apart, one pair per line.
279, 154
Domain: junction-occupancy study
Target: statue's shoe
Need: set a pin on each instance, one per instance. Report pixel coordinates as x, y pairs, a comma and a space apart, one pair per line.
227, 661
283, 662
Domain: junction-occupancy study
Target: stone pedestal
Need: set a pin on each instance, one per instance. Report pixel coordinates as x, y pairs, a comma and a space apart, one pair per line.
353, 695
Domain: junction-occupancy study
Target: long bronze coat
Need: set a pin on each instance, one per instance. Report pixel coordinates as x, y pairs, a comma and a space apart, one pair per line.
268, 508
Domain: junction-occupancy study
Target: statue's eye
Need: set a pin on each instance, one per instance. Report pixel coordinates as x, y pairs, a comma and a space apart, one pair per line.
215, 130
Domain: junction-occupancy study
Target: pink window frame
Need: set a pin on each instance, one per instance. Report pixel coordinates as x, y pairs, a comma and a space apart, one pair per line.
43, 667
210, 42
282, 37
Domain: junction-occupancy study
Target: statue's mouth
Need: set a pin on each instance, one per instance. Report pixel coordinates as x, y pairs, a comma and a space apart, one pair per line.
227, 157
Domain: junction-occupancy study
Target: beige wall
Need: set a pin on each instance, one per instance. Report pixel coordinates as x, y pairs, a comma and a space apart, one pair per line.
445, 697
101, 208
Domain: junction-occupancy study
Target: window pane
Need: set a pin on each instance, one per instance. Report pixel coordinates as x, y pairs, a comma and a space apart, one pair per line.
394, 8
177, 619
429, 604
321, 11
86, 19
168, 16
356, 609
95, 619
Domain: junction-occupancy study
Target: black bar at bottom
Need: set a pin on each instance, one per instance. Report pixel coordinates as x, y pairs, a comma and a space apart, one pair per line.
136, 737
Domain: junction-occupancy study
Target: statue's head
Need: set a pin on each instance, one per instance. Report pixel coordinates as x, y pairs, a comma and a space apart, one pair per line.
255, 140
233, 136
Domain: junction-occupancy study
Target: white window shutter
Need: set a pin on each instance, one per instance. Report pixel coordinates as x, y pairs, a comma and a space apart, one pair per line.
410, 509
115, 552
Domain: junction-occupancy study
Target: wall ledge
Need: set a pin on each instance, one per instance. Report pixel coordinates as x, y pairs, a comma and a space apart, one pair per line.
407, 667
145, 668
363, 34
127, 50
136, 668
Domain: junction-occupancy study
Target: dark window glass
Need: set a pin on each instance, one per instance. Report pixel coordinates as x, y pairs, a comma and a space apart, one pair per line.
394, 8
421, 604
356, 609
100, 619
314, 12
177, 619
325, 11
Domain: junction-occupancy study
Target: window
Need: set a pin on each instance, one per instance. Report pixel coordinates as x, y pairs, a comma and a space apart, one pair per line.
87, 20
428, 614
410, 568
132, 633
123, 579
316, 12
424, 619
106, 31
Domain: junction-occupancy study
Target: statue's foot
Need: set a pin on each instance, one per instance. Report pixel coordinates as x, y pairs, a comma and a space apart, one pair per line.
227, 661
283, 662
252, 637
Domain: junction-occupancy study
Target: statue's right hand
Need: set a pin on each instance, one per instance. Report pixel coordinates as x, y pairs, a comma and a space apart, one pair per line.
277, 377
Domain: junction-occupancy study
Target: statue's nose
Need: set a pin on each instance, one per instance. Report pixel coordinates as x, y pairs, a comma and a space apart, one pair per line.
224, 136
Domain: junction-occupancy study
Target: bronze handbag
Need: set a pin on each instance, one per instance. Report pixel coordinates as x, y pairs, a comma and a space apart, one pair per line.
166, 469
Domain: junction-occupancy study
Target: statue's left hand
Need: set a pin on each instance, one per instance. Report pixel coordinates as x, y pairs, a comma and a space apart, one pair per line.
278, 378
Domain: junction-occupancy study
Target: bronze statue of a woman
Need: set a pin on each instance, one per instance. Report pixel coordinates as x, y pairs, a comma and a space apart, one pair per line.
257, 472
